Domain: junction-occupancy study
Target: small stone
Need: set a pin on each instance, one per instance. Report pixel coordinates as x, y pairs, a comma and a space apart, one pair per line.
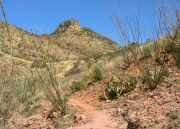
50, 127
54, 114
167, 100
30, 122
151, 95
80, 119
26, 124
173, 89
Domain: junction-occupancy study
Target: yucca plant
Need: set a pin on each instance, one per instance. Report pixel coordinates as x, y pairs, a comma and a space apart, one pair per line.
98, 73
153, 77
146, 53
77, 85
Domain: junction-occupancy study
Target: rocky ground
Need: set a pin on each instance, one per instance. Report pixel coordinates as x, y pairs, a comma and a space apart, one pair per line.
157, 109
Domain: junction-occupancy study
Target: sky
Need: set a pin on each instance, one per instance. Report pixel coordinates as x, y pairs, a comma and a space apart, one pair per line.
44, 16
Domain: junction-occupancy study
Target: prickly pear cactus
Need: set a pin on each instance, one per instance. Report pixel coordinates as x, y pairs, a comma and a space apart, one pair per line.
113, 88
116, 87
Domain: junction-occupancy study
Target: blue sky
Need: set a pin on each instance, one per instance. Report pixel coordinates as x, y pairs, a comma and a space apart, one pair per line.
46, 15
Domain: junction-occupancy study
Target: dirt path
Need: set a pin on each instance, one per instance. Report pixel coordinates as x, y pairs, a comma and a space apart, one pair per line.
99, 119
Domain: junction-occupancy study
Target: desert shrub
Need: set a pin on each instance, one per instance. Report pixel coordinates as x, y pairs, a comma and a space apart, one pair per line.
173, 48
159, 61
38, 63
130, 53
98, 73
50, 86
154, 76
151, 72
147, 53
126, 57
92, 54
26, 89
116, 87
154, 71
77, 85
130, 85
134, 50
48, 80
7, 106
113, 55
7, 102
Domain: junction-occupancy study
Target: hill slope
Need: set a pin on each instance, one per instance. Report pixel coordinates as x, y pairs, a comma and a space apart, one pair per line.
68, 42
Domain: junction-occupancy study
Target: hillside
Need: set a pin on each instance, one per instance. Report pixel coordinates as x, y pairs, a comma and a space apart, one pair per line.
75, 78
68, 42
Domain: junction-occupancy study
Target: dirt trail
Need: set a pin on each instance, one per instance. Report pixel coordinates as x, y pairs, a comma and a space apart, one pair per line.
99, 119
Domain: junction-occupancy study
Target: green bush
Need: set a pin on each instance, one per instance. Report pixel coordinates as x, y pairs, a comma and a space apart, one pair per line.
130, 85
127, 59
98, 73
154, 76
26, 89
77, 85
147, 53
130, 54
7, 106
116, 87
173, 48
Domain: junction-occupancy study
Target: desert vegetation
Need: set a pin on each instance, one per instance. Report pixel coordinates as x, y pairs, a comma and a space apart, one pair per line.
74, 76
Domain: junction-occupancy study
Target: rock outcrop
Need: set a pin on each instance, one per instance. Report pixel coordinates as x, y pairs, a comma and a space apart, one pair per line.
70, 25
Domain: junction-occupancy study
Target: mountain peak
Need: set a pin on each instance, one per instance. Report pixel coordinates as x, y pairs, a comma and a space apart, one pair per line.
71, 25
